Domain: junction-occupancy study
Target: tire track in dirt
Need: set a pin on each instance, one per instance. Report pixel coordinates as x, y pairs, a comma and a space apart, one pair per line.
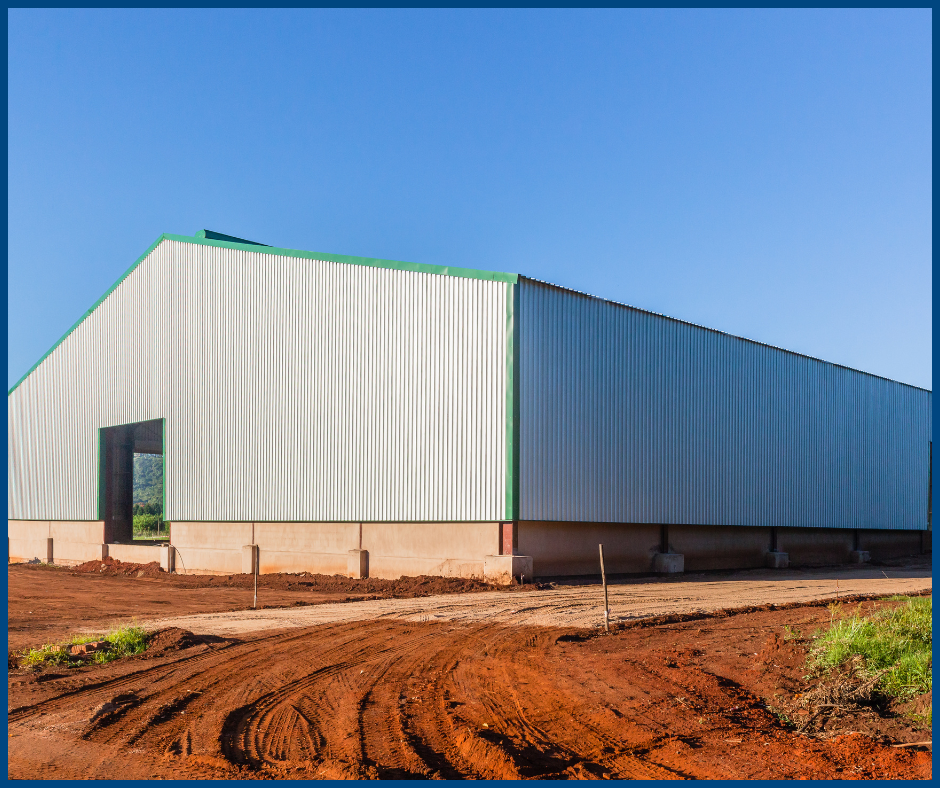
395, 699
538, 750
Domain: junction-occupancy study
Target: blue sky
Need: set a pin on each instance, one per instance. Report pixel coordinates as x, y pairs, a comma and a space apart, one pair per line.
766, 173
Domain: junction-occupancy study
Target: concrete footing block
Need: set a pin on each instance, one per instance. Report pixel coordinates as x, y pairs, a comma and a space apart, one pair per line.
501, 569
357, 564
859, 557
774, 560
249, 556
669, 563
167, 558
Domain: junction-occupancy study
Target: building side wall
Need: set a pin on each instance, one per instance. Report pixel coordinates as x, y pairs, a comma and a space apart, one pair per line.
630, 417
293, 390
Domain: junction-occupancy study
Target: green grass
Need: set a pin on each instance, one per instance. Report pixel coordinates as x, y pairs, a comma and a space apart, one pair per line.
150, 526
791, 633
125, 642
894, 640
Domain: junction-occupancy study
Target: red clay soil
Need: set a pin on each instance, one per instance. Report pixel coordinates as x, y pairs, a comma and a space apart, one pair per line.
375, 588
111, 567
46, 604
393, 699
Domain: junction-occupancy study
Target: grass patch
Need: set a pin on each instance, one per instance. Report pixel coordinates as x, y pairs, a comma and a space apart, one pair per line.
150, 526
893, 644
791, 633
124, 642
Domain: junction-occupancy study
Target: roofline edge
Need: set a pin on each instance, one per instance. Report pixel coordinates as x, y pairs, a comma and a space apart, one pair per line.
620, 304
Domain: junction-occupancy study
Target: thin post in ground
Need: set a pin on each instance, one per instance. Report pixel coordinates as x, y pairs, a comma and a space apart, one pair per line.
600, 549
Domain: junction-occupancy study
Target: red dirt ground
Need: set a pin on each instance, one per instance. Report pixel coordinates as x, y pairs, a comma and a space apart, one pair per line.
49, 603
699, 698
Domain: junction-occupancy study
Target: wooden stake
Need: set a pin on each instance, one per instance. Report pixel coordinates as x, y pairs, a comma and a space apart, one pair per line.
600, 549
255, 562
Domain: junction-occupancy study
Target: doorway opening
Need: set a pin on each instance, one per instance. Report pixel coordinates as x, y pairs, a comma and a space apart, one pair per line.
132, 480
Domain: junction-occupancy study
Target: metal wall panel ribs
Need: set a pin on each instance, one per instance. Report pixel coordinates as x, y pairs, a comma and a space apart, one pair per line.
293, 390
628, 416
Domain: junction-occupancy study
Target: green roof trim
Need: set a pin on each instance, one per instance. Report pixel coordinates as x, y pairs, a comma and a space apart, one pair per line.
371, 262
251, 246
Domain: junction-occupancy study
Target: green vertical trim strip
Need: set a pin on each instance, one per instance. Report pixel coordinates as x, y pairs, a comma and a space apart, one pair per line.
516, 410
512, 410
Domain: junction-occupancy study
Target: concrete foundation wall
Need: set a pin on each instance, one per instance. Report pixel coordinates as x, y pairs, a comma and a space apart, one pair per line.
73, 553
74, 542
27, 529
206, 561
720, 547
317, 563
816, 546
395, 549
209, 548
571, 548
328, 538
81, 532
559, 549
211, 536
893, 544
28, 540
459, 549
87, 531
393, 567
29, 550
135, 553
431, 540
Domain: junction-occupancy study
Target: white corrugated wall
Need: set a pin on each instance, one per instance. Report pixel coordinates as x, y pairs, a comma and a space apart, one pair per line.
293, 390
628, 416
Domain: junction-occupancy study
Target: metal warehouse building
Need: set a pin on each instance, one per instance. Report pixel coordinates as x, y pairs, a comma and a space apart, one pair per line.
338, 414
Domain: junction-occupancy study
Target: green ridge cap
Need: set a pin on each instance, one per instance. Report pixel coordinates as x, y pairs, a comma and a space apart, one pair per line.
250, 246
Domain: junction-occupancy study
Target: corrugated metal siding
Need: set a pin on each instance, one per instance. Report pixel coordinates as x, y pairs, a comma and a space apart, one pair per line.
292, 390
627, 416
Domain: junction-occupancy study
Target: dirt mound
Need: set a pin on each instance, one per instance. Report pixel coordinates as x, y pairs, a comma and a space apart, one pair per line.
112, 566
171, 639
916, 707
402, 588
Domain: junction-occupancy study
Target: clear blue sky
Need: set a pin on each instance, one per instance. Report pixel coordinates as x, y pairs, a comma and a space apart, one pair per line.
765, 173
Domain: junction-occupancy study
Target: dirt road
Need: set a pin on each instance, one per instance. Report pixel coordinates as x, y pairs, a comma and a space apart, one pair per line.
400, 699
581, 605
50, 604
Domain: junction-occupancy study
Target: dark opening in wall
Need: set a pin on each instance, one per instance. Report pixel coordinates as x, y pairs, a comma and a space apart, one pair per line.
118, 446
